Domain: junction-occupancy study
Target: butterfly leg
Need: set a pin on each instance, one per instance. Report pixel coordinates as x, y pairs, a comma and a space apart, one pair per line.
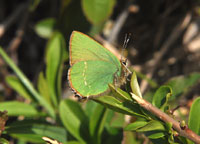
116, 80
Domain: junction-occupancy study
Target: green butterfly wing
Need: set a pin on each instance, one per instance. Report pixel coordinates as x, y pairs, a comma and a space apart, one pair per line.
93, 67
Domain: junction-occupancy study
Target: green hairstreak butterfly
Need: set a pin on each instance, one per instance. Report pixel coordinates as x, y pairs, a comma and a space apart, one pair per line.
93, 67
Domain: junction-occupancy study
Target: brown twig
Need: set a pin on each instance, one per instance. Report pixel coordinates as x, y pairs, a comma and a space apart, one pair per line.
11, 19
158, 56
19, 35
166, 118
117, 27
173, 110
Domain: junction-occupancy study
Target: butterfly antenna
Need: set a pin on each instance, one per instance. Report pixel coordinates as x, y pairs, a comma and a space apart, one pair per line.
126, 40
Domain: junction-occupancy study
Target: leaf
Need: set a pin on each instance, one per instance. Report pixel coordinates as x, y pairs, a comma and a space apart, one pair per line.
54, 59
96, 29
27, 83
135, 86
90, 107
45, 27
43, 88
155, 134
33, 131
151, 126
97, 11
122, 107
194, 117
16, 84
3, 141
130, 138
120, 94
97, 122
73, 142
67, 23
15, 108
117, 120
181, 84
3, 119
74, 119
161, 95
135, 125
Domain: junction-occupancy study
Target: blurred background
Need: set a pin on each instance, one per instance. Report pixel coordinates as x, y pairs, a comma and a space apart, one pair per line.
164, 42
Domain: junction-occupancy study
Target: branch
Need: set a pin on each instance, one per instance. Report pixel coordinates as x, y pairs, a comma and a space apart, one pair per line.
11, 19
15, 42
153, 63
166, 118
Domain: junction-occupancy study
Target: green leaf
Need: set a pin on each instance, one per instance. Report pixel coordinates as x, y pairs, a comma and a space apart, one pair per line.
27, 83
155, 134
118, 106
135, 86
54, 59
117, 120
97, 122
33, 131
97, 11
15, 108
73, 142
16, 84
161, 96
45, 27
130, 138
96, 29
135, 125
181, 84
90, 107
194, 117
151, 126
74, 119
43, 88
3, 141
120, 94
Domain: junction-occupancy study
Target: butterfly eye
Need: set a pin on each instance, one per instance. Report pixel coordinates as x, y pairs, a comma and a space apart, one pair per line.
124, 62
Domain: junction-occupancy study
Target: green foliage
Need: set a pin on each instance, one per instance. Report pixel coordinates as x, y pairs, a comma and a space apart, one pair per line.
54, 59
161, 96
74, 119
136, 125
43, 88
18, 86
97, 122
16, 108
194, 118
33, 131
44, 28
3, 141
135, 86
24, 80
181, 84
97, 11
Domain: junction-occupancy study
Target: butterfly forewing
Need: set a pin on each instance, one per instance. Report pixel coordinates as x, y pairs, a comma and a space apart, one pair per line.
83, 48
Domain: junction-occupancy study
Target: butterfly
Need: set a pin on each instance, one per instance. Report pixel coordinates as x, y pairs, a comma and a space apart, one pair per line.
93, 67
